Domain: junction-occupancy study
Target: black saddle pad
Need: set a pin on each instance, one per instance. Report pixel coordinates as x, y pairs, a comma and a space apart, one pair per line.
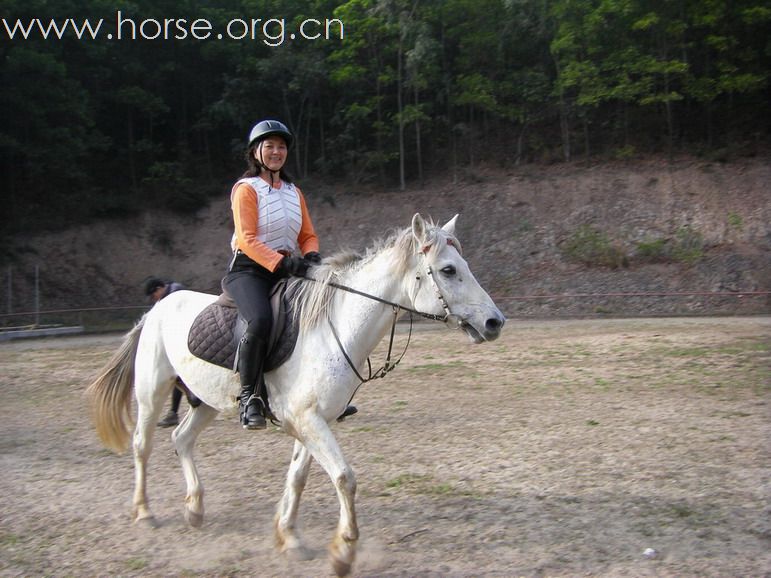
215, 333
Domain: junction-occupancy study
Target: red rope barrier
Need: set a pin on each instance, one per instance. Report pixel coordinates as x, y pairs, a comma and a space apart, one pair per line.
639, 294
500, 298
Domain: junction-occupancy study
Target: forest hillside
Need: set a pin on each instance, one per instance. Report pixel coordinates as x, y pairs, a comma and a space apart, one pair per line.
591, 147
386, 93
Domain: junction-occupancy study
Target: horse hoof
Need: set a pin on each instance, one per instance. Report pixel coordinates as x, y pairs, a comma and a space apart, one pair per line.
342, 554
147, 522
300, 554
341, 568
194, 518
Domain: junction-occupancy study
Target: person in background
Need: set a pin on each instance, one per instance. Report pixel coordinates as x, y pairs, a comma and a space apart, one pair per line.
156, 289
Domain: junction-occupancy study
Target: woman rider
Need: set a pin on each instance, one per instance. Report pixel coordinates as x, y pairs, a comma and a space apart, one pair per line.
274, 238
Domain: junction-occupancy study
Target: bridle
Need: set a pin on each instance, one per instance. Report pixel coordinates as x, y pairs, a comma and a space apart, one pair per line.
389, 365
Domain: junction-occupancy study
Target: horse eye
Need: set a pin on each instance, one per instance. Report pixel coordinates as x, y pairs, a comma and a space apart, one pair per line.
449, 270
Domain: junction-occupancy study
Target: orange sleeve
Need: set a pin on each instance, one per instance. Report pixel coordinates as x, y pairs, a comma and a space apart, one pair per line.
245, 219
307, 239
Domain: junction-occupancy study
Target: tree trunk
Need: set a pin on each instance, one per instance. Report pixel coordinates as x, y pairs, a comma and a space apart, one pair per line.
322, 144
470, 136
668, 112
307, 139
520, 140
400, 109
132, 163
586, 136
418, 147
378, 133
564, 124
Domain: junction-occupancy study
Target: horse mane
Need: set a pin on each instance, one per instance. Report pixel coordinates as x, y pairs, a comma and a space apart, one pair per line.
314, 299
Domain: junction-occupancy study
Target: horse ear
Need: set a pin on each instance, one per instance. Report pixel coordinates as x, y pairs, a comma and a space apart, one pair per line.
419, 229
450, 225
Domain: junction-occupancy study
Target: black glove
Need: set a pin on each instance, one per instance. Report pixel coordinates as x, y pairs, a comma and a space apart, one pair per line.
292, 267
312, 257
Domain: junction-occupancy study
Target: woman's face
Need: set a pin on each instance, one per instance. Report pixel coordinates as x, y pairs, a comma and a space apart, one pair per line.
272, 152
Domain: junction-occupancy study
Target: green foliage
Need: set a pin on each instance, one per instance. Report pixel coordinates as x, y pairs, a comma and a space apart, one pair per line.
653, 251
735, 221
134, 124
593, 247
686, 246
625, 152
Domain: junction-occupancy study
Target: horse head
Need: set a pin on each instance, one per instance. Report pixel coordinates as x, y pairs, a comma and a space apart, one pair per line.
445, 286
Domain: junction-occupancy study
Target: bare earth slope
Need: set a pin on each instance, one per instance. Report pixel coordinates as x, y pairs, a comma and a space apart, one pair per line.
514, 226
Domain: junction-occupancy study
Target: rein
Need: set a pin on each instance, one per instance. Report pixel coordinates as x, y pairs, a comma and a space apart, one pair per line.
397, 306
448, 316
387, 367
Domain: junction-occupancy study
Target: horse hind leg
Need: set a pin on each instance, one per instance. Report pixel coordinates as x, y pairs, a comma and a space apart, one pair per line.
153, 379
287, 538
150, 401
184, 438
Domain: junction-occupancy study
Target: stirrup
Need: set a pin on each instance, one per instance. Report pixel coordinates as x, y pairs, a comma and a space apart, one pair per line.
252, 415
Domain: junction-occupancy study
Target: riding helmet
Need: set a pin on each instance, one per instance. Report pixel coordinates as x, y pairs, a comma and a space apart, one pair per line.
266, 128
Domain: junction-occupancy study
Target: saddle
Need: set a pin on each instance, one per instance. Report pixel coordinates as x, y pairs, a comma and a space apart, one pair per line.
217, 330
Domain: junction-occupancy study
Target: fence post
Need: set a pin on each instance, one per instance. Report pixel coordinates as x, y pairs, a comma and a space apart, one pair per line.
10, 289
37, 295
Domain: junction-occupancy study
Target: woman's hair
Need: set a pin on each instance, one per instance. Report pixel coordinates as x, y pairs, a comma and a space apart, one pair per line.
253, 165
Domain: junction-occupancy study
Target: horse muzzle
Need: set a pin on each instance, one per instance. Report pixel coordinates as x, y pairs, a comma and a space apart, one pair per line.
489, 330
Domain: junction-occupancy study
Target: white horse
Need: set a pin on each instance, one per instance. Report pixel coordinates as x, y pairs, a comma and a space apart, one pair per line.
420, 269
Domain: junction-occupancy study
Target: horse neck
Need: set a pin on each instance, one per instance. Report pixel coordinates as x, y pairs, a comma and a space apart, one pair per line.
362, 323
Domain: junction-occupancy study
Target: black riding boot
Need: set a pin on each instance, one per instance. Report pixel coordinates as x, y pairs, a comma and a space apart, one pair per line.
251, 354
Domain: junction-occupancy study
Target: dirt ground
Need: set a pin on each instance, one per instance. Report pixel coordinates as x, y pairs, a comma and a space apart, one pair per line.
566, 448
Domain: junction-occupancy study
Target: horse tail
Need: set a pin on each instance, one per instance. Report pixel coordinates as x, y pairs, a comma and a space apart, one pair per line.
110, 394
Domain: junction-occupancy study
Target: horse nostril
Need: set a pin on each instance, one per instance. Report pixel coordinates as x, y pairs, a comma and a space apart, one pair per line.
493, 324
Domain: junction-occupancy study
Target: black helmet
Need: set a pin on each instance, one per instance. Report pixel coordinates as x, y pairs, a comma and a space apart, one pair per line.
266, 128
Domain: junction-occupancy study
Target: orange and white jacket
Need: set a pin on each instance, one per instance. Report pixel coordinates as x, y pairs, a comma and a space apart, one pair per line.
270, 222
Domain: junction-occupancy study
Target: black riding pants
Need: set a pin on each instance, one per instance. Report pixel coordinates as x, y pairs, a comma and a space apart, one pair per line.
250, 285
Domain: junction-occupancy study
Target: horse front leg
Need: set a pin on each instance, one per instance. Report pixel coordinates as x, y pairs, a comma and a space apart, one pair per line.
317, 437
184, 438
287, 537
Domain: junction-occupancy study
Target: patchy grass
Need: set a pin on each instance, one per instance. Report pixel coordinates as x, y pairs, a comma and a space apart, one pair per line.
136, 564
405, 480
9, 539
593, 247
437, 367
424, 484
